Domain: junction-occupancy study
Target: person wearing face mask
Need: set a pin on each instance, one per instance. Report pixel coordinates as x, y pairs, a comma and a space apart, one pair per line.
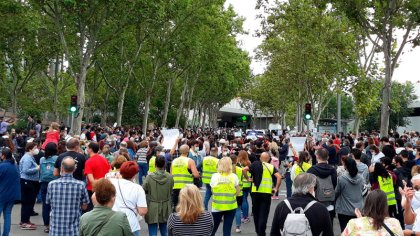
29, 182
303, 194
198, 160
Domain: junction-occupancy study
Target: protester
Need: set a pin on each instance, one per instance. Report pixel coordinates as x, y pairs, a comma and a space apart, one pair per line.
375, 219
29, 181
225, 188
303, 194
142, 161
376, 154
209, 168
67, 196
262, 190
348, 193
236, 169
96, 168
130, 197
52, 135
180, 170
9, 188
301, 166
190, 217
152, 161
246, 187
116, 166
46, 176
362, 168
158, 188
73, 149
326, 181
102, 220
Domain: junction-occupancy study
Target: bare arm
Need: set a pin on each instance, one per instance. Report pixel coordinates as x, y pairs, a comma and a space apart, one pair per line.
56, 172
278, 181
245, 172
193, 168
409, 215
142, 211
90, 178
172, 152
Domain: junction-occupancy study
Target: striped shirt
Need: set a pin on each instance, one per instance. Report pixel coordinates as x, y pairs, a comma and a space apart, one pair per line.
203, 226
141, 155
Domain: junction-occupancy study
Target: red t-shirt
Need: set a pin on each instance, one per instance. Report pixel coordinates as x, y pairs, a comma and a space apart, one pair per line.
98, 166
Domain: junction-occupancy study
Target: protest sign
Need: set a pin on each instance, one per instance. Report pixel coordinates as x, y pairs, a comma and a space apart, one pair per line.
169, 137
298, 144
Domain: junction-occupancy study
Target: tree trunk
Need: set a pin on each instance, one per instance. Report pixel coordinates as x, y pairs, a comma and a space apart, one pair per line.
121, 100
167, 102
181, 104
203, 123
386, 91
81, 85
356, 126
146, 112
104, 116
13, 99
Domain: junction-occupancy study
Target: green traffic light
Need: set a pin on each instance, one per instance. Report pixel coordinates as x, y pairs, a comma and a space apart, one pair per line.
244, 118
308, 116
73, 109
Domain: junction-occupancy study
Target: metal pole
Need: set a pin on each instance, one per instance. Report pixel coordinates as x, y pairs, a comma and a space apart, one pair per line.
71, 122
338, 112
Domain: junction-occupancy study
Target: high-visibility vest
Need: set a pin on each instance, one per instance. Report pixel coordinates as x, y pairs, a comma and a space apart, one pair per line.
305, 167
152, 164
386, 185
224, 193
209, 168
266, 185
239, 174
245, 182
180, 172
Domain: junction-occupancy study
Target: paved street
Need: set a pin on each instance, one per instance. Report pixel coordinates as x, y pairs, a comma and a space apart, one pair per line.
247, 229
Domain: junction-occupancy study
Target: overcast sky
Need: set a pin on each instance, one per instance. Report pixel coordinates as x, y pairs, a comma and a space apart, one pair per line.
409, 68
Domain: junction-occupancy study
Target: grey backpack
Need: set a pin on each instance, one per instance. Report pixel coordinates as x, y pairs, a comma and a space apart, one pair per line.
325, 191
296, 222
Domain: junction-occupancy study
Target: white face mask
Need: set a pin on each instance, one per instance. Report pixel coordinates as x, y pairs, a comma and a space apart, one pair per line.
417, 195
35, 151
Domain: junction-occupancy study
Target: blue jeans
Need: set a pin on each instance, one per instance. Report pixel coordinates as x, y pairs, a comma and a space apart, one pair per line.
207, 197
143, 168
227, 221
153, 229
289, 183
46, 208
6, 209
245, 205
136, 233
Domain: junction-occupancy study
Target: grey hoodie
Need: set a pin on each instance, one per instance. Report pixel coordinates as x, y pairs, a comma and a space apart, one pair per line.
348, 194
363, 171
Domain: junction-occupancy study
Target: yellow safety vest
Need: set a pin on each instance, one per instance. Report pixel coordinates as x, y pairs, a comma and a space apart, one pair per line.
152, 164
239, 174
266, 185
209, 168
180, 172
305, 167
245, 182
224, 193
386, 185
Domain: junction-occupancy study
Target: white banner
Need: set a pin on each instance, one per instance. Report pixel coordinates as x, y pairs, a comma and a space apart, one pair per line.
169, 138
298, 144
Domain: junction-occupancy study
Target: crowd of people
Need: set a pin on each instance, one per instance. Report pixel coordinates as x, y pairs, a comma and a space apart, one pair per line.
105, 180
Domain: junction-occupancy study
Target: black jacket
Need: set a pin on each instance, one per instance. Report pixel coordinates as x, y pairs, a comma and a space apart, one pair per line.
318, 215
323, 170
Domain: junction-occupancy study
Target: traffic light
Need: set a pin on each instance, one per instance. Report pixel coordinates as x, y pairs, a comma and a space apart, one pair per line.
73, 104
308, 112
244, 118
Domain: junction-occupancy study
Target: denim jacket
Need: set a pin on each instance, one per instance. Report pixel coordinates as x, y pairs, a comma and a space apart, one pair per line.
27, 168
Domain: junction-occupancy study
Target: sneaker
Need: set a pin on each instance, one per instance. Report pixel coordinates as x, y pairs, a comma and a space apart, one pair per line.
27, 226
34, 213
245, 220
275, 198
238, 229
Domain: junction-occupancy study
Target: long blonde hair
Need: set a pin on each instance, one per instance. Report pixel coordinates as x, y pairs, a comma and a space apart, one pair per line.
225, 166
54, 126
190, 205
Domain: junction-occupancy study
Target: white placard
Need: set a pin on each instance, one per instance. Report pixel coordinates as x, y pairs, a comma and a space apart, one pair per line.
298, 144
238, 134
169, 138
